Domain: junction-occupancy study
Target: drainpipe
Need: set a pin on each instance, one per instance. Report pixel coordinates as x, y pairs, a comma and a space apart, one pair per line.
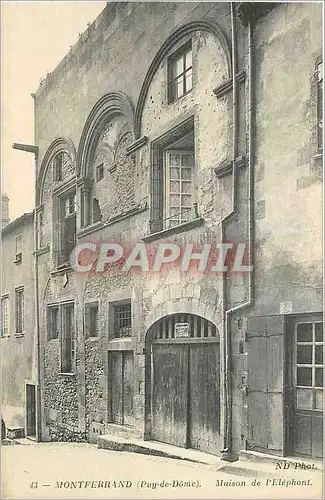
227, 450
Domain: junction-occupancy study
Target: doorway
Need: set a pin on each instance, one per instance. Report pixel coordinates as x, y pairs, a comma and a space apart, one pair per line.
184, 389
30, 410
305, 387
120, 387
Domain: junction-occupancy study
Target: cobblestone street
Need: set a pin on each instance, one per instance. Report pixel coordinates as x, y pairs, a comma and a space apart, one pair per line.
62, 470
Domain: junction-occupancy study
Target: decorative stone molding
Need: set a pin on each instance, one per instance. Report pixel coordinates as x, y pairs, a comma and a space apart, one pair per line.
226, 168
136, 145
226, 87
58, 145
110, 105
199, 25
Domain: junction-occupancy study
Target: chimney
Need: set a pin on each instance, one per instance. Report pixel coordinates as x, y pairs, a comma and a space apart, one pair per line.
4, 210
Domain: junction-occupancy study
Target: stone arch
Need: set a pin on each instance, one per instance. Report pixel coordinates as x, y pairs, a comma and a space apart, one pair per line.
59, 144
188, 305
110, 105
203, 25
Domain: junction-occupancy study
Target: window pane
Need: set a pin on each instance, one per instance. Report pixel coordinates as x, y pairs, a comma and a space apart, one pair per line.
319, 332
186, 159
304, 354
174, 186
174, 159
188, 59
304, 377
174, 173
186, 187
177, 66
186, 173
319, 400
318, 354
186, 200
174, 211
305, 399
174, 200
305, 332
319, 377
188, 80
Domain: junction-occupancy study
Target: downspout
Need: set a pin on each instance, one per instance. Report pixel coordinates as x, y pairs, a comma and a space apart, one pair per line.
227, 453
37, 322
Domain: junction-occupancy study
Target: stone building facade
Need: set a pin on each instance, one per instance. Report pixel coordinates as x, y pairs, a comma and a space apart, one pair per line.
18, 341
179, 123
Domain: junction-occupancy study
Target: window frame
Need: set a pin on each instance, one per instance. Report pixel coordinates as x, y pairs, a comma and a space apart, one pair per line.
5, 299
88, 306
64, 217
64, 369
158, 175
20, 322
167, 192
99, 172
112, 307
313, 388
178, 54
50, 309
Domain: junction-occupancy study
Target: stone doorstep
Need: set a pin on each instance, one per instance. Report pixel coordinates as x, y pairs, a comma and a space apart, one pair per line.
155, 448
122, 431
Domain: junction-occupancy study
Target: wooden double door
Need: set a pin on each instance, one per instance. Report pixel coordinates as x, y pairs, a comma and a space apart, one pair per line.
185, 388
121, 387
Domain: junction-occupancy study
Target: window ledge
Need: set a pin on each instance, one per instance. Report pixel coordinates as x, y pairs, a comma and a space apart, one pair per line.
68, 374
18, 335
186, 226
225, 168
92, 339
318, 157
121, 344
18, 261
64, 268
42, 250
5, 336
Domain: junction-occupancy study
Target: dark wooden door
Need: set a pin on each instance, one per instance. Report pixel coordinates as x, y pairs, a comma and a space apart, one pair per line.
204, 397
305, 379
30, 410
169, 394
121, 387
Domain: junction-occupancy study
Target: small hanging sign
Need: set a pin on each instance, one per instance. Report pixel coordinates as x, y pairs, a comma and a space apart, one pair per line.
181, 330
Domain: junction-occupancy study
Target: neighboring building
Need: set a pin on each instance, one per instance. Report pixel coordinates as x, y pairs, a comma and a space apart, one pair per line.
4, 210
144, 135
18, 347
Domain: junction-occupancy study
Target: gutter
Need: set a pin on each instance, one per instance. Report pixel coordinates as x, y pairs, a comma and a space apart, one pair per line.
227, 453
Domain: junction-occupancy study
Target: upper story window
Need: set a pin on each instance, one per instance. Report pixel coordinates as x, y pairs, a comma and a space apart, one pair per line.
99, 172
19, 313
68, 226
5, 316
53, 322
19, 247
319, 73
122, 320
91, 320
58, 167
172, 186
180, 72
68, 339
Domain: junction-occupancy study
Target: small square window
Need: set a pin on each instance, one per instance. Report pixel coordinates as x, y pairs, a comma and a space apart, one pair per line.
180, 79
5, 316
122, 320
100, 172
